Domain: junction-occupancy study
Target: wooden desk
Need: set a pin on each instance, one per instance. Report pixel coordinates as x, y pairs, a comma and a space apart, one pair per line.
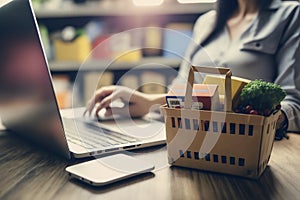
29, 173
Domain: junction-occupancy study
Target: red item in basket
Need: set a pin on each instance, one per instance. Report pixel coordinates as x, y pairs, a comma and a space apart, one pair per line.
205, 96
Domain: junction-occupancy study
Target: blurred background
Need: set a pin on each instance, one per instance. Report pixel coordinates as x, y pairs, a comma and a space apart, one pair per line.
136, 43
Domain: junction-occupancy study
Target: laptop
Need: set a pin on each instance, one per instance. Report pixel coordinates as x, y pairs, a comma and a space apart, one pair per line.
28, 105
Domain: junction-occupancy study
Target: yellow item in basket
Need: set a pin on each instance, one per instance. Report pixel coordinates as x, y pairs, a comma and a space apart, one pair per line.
237, 84
75, 50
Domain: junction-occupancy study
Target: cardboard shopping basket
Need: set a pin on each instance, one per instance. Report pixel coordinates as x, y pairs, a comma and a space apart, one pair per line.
218, 141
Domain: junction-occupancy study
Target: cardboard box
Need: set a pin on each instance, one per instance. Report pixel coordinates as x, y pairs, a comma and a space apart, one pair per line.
204, 97
237, 84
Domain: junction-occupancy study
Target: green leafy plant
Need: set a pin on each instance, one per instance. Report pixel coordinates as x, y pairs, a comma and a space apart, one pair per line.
260, 97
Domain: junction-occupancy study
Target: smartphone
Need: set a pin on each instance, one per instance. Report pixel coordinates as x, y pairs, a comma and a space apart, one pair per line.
109, 169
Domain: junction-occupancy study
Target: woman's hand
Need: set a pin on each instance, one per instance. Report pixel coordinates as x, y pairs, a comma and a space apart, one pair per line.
136, 104
281, 127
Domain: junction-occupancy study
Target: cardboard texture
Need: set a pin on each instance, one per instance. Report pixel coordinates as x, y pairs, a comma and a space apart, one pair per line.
223, 142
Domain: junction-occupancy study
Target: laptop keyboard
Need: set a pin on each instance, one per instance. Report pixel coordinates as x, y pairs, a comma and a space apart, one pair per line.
92, 136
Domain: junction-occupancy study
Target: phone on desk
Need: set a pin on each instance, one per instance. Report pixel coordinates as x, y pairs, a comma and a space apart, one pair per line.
109, 169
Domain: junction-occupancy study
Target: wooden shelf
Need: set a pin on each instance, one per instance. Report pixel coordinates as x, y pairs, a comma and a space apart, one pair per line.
99, 65
117, 9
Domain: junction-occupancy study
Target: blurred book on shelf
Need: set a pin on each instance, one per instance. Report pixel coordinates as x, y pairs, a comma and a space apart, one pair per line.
46, 41
62, 88
123, 47
129, 80
71, 44
176, 39
152, 41
153, 82
101, 48
94, 80
128, 56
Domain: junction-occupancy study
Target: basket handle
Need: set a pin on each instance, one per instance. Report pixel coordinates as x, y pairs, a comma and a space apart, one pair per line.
209, 70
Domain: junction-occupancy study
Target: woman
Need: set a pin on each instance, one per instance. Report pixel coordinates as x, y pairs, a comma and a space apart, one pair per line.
257, 39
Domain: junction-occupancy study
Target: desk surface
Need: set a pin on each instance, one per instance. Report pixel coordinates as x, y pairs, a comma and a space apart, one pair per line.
29, 173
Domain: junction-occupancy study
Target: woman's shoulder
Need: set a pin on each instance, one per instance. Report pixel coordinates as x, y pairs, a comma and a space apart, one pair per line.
204, 25
287, 11
208, 17
290, 3
289, 6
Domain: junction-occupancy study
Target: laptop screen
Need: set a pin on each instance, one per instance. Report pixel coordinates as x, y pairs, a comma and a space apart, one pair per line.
27, 100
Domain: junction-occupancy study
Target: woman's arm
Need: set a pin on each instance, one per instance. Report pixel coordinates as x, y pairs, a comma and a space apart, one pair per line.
288, 62
136, 104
